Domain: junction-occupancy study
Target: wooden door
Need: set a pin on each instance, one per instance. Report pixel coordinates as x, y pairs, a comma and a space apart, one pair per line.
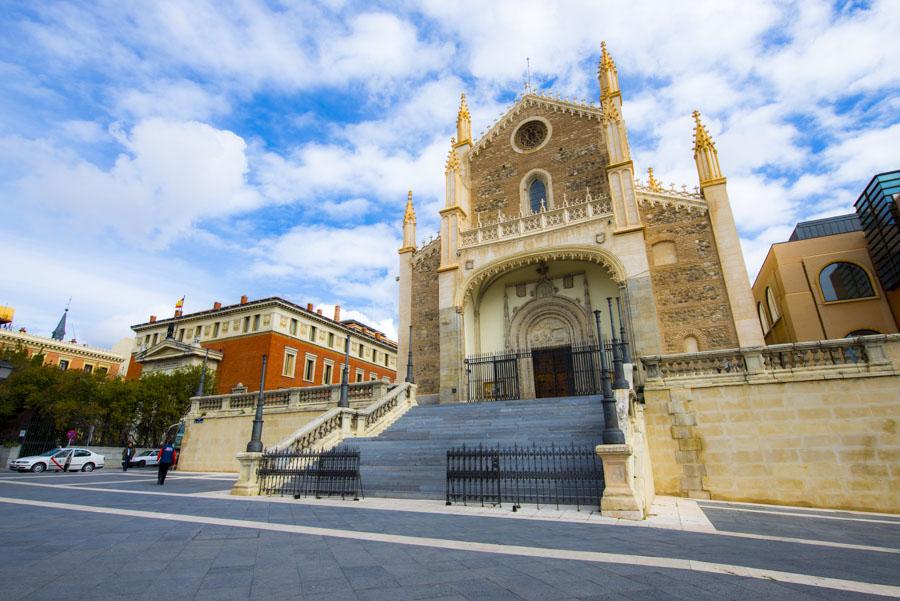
552, 371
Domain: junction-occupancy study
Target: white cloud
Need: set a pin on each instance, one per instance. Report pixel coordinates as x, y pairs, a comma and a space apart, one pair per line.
175, 100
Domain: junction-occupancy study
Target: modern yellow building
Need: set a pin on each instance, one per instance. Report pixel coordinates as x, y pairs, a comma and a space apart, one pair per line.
820, 285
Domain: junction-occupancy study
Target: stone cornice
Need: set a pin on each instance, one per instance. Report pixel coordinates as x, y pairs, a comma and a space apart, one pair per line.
58, 346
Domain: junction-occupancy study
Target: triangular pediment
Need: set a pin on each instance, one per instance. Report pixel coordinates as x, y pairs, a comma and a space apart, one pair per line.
535, 100
169, 348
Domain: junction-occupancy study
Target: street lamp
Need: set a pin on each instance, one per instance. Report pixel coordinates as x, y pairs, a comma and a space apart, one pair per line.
612, 434
409, 361
255, 444
201, 386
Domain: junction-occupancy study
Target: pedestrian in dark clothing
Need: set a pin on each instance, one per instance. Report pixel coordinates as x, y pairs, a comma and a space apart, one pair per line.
166, 456
127, 456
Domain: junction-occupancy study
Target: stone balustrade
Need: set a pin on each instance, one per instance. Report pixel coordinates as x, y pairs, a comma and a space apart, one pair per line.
824, 358
585, 209
290, 398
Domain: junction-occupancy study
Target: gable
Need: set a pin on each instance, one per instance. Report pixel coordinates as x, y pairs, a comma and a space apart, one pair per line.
571, 155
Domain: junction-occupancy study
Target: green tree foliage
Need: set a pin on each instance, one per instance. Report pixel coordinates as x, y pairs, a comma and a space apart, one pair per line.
109, 411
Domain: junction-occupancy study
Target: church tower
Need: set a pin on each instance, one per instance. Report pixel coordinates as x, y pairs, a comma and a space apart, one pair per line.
731, 258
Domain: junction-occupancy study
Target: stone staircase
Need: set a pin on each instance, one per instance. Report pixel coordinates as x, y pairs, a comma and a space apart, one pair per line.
408, 459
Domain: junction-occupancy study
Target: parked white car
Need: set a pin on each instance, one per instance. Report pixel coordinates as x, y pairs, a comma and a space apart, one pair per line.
145, 458
73, 459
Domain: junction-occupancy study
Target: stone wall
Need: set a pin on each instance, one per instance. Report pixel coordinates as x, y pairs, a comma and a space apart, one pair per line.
426, 341
574, 156
814, 435
690, 294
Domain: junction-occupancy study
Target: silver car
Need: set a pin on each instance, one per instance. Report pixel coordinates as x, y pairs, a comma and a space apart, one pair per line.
72, 459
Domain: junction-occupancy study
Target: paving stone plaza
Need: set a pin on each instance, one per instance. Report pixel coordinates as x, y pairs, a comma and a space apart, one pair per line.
111, 536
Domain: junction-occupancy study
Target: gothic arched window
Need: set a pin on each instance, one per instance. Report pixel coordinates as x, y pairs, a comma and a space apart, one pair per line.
537, 193
845, 281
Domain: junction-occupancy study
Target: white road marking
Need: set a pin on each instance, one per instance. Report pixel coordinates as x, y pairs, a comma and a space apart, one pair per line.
806, 515
517, 550
384, 504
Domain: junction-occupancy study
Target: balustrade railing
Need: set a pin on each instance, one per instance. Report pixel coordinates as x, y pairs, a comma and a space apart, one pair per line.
570, 212
861, 354
287, 397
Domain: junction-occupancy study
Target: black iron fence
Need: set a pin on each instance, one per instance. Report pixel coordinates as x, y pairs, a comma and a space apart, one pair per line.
571, 371
311, 474
535, 475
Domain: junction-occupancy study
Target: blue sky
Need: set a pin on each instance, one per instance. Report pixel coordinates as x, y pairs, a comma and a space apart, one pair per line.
213, 149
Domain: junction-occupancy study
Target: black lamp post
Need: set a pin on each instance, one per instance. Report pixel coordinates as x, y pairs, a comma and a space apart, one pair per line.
611, 432
619, 381
409, 362
255, 444
201, 386
626, 358
345, 376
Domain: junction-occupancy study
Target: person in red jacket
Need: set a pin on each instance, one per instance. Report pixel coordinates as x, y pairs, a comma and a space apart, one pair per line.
166, 457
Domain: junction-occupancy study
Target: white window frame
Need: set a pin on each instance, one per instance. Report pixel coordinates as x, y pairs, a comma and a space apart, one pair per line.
328, 363
289, 352
309, 357
360, 375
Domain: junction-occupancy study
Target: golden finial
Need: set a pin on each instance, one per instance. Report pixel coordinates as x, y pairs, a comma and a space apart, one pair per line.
606, 61
410, 215
702, 139
463, 109
652, 182
452, 158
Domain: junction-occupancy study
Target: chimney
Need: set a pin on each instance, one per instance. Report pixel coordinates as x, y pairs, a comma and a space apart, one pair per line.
153, 319
337, 312
178, 313
217, 305
378, 336
318, 311
309, 307
244, 299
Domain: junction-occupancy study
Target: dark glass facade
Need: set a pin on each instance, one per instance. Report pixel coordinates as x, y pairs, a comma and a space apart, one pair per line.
878, 209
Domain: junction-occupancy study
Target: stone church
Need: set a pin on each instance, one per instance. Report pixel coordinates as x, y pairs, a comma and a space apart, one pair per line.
548, 242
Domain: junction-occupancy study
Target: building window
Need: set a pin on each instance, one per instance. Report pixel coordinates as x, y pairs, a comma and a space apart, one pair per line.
531, 135
102, 371
181, 334
330, 340
293, 328
309, 370
312, 333
290, 362
88, 368
763, 320
845, 281
327, 372
360, 374
215, 330
246, 327
155, 338
387, 360
64, 364
197, 332
373, 376
256, 322
690, 344
773, 307
147, 340
856, 333
537, 195
362, 351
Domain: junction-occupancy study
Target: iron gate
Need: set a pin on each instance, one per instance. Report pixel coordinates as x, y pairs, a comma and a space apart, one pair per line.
311, 474
40, 435
540, 475
496, 376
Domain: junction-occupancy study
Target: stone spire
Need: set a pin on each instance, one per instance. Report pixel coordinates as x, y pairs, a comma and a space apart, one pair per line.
607, 74
705, 155
452, 158
463, 122
409, 225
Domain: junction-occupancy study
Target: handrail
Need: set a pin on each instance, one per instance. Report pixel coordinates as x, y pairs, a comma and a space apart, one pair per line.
338, 419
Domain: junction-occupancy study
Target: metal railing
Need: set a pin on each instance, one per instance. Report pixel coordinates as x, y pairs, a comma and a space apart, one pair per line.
311, 474
498, 376
552, 475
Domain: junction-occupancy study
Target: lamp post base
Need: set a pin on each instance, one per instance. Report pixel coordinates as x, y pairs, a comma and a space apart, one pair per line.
247, 484
619, 499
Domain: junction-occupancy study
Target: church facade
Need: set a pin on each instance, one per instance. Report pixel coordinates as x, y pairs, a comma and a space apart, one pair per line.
548, 242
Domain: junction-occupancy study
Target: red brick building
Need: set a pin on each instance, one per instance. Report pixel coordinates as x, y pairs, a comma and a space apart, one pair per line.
303, 346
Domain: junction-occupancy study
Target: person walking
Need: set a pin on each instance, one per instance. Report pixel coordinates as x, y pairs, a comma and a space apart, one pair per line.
127, 456
166, 456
